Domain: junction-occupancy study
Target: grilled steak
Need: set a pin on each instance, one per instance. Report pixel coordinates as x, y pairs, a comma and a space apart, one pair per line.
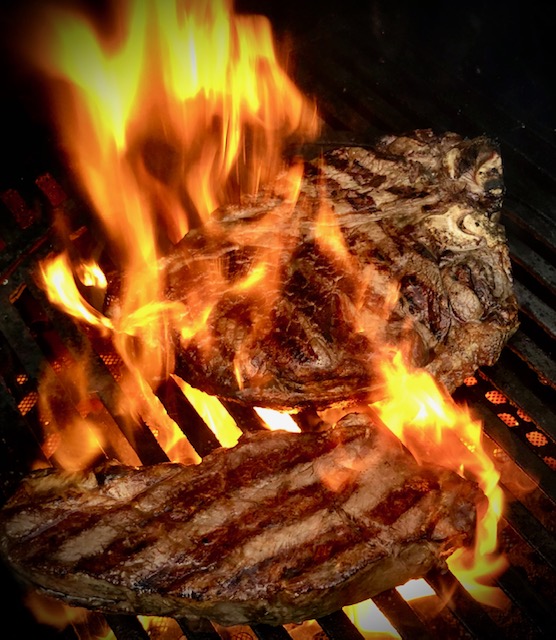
283, 527
420, 260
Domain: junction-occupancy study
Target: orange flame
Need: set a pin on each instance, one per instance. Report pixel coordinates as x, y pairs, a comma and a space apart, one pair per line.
164, 118
58, 279
213, 412
438, 431
53, 612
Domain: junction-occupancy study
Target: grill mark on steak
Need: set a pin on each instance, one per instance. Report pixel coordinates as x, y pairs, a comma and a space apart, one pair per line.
308, 449
211, 544
292, 543
228, 544
278, 570
322, 554
198, 500
283, 510
406, 210
345, 535
71, 525
402, 499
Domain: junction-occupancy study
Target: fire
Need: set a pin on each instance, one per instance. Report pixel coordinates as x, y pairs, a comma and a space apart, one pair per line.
213, 413
53, 612
370, 620
438, 431
175, 112
276, 420
62, 289
166, 117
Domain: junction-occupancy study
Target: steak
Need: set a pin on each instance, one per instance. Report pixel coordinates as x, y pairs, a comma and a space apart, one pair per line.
398, 245
283, 527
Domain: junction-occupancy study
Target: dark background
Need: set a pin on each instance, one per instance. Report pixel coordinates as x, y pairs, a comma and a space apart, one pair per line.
502, 48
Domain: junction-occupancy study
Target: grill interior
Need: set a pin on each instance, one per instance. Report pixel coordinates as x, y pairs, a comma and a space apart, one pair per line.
372, 68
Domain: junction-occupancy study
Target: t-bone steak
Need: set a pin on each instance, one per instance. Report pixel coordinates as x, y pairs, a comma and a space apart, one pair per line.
283, 527
422, 262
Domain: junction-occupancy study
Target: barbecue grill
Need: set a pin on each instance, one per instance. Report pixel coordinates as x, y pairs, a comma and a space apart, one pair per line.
373, 68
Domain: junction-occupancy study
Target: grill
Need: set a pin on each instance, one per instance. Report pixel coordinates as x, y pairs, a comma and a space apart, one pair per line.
372, 69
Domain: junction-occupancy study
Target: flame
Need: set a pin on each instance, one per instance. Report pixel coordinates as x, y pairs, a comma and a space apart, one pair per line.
166, 116
370, 621
277, 420
158, 627
213, 412
175, 112
438, 431
58, 280
52, 612
91, 275
415, 589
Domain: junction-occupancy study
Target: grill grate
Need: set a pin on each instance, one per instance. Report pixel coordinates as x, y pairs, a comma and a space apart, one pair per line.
372, 71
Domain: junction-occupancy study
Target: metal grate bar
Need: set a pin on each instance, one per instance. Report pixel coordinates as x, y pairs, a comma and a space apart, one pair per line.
536, 535
205, 631
467, 610
266, 632
245, 417
525, 391
339, 627
126, 627
538, 610
401, 615
413, 86
190, 422
20, 446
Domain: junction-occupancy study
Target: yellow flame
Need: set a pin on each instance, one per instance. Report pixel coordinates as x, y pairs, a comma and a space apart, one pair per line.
436, 430
82, 442
330, 237
412, 589
163, 118
213, 413
277, 420
58, 280
370, 620
164, 121
91, 275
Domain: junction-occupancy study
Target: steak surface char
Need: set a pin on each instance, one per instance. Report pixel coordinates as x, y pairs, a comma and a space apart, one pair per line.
422, 262
283, 527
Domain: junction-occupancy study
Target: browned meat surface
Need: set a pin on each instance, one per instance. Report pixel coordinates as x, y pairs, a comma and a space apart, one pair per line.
423, 258
283, 527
